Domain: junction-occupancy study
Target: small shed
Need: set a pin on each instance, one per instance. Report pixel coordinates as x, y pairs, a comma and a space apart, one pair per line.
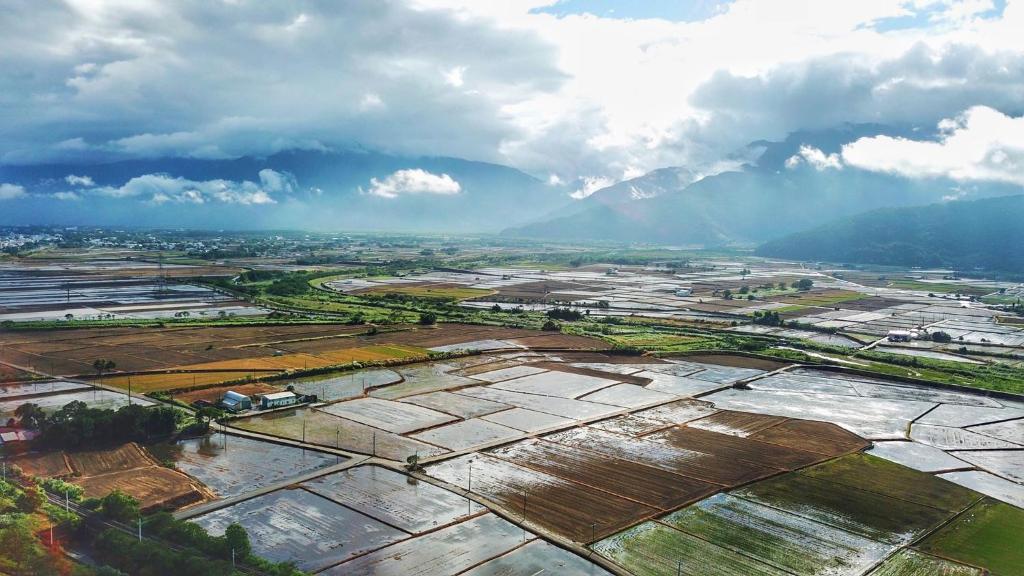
235, 402
278, 399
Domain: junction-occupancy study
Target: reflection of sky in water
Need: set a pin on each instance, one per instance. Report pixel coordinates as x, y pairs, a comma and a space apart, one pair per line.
348, 385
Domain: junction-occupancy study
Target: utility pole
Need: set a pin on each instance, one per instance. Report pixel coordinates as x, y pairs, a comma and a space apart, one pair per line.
140, 528
129, 390
524, 515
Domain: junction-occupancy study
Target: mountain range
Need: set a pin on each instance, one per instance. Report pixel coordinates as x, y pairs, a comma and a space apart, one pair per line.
313, 190
962, 235
764, 199
767, 196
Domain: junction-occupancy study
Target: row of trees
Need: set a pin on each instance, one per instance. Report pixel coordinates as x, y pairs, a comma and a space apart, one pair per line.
76, 425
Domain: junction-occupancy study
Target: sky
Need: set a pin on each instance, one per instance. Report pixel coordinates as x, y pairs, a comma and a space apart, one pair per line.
570, 91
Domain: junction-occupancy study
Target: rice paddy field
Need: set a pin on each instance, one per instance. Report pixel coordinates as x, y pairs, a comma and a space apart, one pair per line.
545, 454
93, 397
847, 516
233, 465
299, 526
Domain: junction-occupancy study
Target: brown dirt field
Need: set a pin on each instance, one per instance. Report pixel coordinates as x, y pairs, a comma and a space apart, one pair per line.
561, 367
710, 468
9, 374
561, 341
821, 437
48, 465
763, 453
215, 394
651, 486
160, 382
446, 334
153, 486
871, 304
736, 361
741, 424
543, 291
124, 457
570, 510
238, 349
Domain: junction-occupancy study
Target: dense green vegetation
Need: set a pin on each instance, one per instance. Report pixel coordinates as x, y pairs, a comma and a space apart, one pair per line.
961, 235
76, 425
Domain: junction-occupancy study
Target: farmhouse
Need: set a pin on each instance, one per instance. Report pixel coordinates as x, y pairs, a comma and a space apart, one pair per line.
277, 399
235, 402
11, 436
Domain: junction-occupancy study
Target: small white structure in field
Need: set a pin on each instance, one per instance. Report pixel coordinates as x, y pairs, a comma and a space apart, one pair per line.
684, 292
278, 399
899, 336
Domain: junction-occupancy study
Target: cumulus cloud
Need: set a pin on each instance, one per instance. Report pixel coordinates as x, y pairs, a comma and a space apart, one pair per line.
815, 158
66, 195
981, 144
163, 188
577, 94
79, 180
414, 181
11, 191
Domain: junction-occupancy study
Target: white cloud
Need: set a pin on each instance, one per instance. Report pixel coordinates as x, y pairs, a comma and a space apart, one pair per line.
163, 188
581, 94
981, 144
454, 77
414, 181
815, 158
11, 191
590, 185
65, 195
79, 180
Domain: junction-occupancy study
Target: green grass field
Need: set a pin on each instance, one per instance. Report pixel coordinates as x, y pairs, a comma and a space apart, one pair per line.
989, 535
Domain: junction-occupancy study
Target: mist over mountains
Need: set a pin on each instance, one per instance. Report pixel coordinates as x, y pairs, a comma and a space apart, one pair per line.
793, 185
962, 235
295, 189
782, 188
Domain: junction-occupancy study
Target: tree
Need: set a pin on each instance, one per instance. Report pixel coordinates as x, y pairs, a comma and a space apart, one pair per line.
804, 284
119, 506
21, 548
942, 337
744, 289
551, 326
237, 539
727, 294
101, 365
30, 416
31, 499
207, 414
69, 317
428, 318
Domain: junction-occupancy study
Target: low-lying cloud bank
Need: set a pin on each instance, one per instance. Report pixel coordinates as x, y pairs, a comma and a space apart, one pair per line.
413, 181
981, 144
164, 188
